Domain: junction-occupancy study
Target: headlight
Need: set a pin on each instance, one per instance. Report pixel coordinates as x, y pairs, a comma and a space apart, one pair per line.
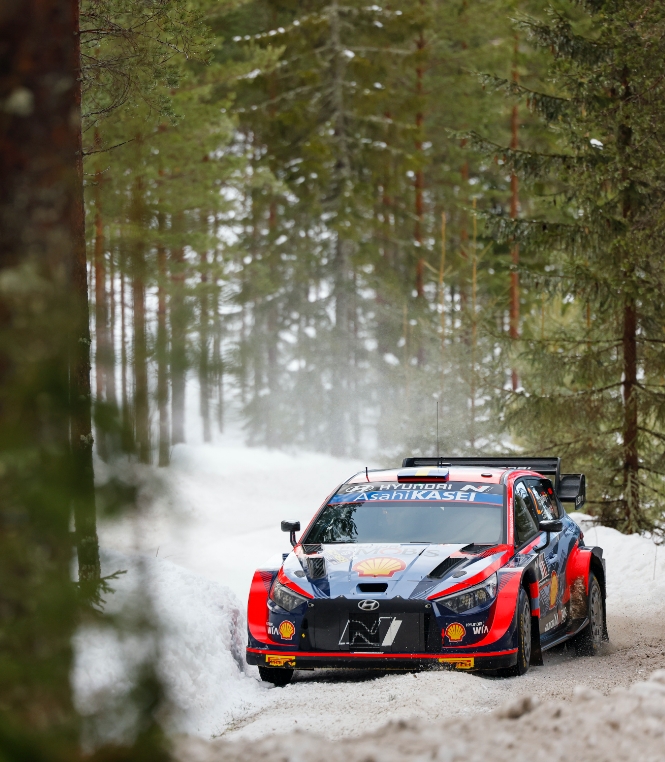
480, 595
286, 598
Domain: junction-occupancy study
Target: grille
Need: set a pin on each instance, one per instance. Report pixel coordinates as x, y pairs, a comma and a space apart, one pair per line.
316, 567
444, 567
364, 632
372, 587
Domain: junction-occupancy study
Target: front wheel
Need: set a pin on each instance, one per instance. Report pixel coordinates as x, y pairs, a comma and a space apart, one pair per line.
523, 637
590, 640
278, 677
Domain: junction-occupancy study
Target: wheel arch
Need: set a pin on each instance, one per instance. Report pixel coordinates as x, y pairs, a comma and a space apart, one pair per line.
530, 584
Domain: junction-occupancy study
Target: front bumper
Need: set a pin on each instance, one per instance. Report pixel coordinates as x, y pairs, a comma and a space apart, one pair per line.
381, 661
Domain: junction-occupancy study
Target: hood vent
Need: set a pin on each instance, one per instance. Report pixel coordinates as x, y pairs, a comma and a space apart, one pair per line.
312, 548
316, 567
372, 587
444, 567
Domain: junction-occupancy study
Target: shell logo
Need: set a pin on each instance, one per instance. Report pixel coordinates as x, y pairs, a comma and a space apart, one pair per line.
286, 630
554, 589
378, 567
455, 632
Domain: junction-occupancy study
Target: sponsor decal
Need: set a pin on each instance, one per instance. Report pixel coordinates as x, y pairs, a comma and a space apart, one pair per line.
542, 566
479, 628
368, 605
460, 662
287, 629
554, 590
378, 567
394, 491
284, 660
455, 632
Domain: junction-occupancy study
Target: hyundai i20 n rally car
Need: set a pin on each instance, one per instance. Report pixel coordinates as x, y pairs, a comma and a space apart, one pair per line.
462, 563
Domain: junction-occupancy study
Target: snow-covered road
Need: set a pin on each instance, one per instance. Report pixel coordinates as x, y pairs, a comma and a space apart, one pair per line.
214, 515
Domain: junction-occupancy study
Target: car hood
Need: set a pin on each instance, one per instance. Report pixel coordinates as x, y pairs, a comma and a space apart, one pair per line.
412, 570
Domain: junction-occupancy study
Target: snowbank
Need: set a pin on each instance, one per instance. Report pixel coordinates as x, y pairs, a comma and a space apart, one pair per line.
625, 726
199, 636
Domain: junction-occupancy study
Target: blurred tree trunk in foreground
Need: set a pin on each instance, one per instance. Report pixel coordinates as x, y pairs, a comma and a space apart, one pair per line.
40, 196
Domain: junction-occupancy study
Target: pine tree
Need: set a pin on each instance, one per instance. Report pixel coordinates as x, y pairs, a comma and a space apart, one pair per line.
593, 359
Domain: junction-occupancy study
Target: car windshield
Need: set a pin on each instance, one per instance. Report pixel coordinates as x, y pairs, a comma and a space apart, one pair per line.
390, 512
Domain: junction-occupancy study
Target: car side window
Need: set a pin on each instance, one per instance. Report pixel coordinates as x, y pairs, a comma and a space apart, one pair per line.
526, 526
544, 499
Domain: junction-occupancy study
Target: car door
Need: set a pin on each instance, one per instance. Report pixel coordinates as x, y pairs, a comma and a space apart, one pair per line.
551, 561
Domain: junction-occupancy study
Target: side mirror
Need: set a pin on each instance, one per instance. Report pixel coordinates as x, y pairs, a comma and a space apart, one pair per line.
572, 489
553, 525
292, 527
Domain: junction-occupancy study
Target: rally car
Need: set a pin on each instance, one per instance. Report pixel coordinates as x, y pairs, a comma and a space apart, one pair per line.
457, 563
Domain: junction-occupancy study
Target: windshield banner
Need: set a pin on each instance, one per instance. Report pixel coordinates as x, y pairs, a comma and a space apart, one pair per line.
452, 491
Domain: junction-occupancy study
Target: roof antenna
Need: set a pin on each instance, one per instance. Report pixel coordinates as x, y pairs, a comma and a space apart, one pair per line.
366, 473
437, 432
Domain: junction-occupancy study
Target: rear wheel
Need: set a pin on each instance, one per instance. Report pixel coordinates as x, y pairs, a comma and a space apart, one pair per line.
279, 677
589, 641
523, 637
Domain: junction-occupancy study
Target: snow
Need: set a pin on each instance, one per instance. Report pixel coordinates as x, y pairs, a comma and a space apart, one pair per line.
622, 727
204, 525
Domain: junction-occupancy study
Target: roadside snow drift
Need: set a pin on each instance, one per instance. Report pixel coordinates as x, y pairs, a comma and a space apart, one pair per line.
625, 726
199, 636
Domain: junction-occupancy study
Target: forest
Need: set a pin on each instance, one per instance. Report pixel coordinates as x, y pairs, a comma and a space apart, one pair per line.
332, 220
364, 230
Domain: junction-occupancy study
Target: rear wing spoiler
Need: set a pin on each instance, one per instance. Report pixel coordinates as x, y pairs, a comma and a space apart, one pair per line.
570, 488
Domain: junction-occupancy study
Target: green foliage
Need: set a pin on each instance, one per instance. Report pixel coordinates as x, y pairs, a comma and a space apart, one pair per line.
593, 362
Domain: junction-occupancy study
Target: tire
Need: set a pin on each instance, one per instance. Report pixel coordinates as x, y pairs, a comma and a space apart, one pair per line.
278, 677
523, 637
590, 640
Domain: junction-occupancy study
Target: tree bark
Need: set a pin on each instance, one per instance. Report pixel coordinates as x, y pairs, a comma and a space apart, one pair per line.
204, 337
178, 315
161, 349
630, 423
515, 249
141, 401
85, 517
39, 203
101, 313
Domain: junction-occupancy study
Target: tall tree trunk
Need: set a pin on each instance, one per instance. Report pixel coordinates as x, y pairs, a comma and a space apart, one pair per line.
419, 182
161, 349
85, 517
101, 313
39, 331
632, 517
178, 315
141, 400
127, 434
204, 336
218, 344
514, 207
341, 177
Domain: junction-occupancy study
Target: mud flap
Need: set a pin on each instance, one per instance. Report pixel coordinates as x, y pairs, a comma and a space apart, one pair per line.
536, 651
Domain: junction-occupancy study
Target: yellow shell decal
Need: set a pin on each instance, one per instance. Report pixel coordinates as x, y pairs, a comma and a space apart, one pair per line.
287, 629
455, 632
554, 589
378, 567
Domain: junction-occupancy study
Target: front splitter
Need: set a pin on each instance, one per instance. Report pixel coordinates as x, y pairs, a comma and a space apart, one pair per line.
381, 661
